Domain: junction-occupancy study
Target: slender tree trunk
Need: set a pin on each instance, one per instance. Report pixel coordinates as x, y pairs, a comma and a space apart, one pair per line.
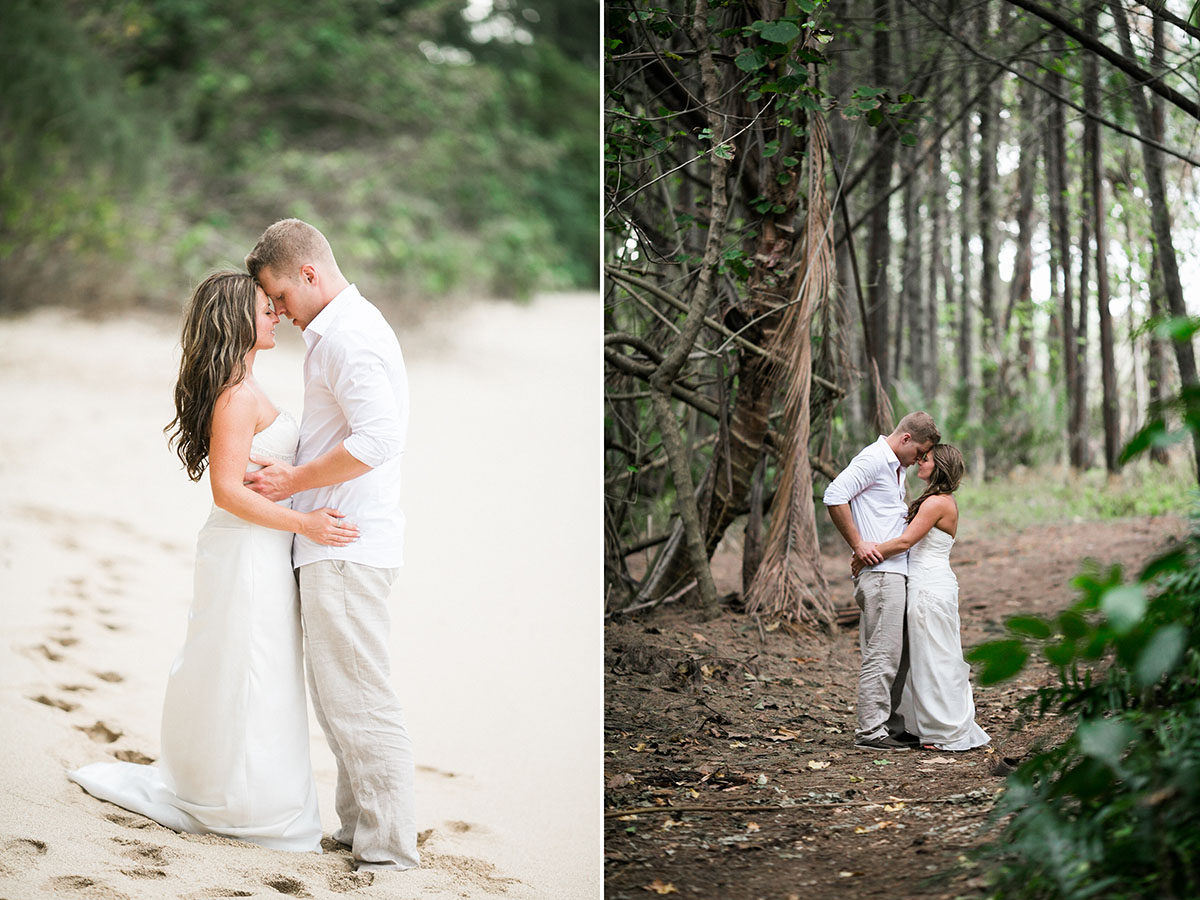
1019, 299
966, 328
880, 239
1157, 359
937, 217
1080, 453
1060, 248
1160, 217
910, 300
1093, 163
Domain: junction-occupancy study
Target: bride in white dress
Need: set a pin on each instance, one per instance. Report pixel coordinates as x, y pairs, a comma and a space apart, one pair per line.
937, 703
234, 750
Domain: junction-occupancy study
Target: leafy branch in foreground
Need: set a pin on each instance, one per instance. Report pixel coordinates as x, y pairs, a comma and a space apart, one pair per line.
1113, 811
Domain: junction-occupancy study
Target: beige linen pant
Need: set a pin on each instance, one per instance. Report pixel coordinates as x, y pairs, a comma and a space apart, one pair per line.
883, 640
346, 625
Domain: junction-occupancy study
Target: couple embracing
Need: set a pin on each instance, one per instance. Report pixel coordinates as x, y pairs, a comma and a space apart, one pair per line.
914, 687
293, 570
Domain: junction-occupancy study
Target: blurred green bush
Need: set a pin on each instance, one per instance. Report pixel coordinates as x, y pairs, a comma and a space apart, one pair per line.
145, 142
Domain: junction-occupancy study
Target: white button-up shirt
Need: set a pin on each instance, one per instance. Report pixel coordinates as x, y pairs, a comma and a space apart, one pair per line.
873, 486
355, 392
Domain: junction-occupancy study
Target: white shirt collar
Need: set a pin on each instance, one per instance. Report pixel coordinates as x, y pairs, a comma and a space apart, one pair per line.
889, 454
325, 320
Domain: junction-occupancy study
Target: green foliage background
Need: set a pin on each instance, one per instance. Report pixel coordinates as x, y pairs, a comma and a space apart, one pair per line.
145, 142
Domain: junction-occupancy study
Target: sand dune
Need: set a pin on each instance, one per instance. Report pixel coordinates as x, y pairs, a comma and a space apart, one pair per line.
496, 631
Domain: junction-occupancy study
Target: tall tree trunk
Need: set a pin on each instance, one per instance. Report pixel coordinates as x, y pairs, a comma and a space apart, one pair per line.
966, 329
910, 300
1060, 247
1157, 359
1093, 164
1019, 298
880, 239
989, 140
937, 218
1080, 451
1160, 218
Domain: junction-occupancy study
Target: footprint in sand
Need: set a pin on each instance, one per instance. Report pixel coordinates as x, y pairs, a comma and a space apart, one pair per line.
65, 641
65, 611
469, 870
144, 872
217, 894
64, 705
74, 687
430, 770
127, 821
344, 882
100, 733
18, 855
43, 650
151, 854
111, 677
84, 887
133, 756
293, 887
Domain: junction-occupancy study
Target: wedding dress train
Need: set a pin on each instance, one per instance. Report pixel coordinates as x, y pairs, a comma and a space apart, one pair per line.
235, 721
937, 703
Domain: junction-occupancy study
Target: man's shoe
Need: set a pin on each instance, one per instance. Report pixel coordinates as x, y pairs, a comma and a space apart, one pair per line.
907, 737
882, 743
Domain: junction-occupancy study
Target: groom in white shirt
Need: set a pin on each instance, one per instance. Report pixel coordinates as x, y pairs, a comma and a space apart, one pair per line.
867, 504
352, 436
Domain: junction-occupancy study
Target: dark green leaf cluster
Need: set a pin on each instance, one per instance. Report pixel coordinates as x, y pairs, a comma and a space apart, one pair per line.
1114, 811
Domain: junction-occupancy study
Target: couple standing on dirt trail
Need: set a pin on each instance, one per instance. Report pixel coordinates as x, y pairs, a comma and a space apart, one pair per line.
914, 688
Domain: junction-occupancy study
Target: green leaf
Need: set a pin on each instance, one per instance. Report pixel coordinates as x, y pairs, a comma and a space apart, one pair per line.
725, 151
1000, 659
1072, 624
874, 118
1175, 561
1032, 626
1161, 654
1124, 606
781, 32
1061, 653
1104, 739
1150, 435
1179, 329
770, 148
784, 177
908, 139
751, 59
790, 161
806, 5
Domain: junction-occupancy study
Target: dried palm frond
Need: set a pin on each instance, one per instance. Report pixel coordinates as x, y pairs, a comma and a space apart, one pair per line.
789, 585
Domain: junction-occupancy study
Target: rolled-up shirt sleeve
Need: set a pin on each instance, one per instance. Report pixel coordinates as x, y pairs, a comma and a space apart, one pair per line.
378, 426
852, 480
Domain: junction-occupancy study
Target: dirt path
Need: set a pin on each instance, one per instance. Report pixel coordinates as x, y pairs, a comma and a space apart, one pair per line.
721, 714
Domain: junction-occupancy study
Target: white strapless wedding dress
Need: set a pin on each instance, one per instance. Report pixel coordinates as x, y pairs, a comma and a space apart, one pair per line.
235, 721
937, 703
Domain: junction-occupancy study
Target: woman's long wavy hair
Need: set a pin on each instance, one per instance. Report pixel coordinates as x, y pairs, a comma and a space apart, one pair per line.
948, 470
218, 331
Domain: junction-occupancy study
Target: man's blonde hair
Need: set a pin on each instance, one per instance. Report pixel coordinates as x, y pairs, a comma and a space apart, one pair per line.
921, 426
287, 245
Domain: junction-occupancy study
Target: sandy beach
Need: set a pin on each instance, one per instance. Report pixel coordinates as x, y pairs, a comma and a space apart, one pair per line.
496, 616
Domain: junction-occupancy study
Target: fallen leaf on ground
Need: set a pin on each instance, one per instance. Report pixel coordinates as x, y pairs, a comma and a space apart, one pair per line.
892, 807
848, 874
818, 764
856, 779
639, 748
620, 780
657, 887
885, 762
752, 826
736, 744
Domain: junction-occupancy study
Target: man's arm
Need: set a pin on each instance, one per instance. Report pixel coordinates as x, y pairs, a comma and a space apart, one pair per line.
843, 521
363, 390
277, 480
850, 482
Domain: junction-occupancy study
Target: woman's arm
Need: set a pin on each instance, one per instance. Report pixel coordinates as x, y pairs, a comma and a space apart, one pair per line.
234, 418
931, 512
